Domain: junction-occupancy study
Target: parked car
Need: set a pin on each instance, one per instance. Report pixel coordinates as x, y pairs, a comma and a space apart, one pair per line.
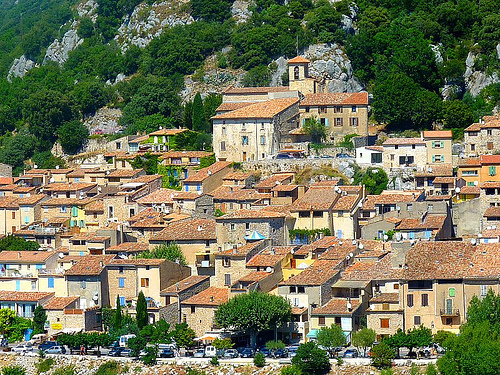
265, 351
200, 353
284, 156
351, 353
56, 349
167, 353
247, 353
280, 353
343, 156
326, 156
210, 351
231, 353
292, 351
126, 352
23, 348
47, 345
116, 352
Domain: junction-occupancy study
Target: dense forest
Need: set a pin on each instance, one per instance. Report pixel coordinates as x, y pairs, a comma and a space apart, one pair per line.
391, 52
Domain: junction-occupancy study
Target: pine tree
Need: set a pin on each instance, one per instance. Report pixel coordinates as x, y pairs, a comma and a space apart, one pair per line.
141, 311
39, 319
199, 119
117, 321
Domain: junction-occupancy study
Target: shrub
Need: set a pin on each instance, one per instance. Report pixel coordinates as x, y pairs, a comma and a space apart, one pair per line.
44, 365
13, 370
108, 368
65, 370
150, 357
387, 371
214, 361
311, 359
431, 369
259, 360
414, 370
291, 370
382, 355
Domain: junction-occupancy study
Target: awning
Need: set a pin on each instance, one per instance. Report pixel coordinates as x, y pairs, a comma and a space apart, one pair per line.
351, 284
208, 337
255, 236
313, 333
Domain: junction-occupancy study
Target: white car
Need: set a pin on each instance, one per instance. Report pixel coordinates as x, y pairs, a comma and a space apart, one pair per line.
22, 348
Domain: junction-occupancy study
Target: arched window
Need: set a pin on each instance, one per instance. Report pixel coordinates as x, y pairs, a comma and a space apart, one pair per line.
296, 72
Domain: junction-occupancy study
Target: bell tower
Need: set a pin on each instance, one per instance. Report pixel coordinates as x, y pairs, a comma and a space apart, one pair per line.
298, 73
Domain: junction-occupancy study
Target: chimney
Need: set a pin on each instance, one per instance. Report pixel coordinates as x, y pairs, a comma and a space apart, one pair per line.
101, 263
211, 298
19, 255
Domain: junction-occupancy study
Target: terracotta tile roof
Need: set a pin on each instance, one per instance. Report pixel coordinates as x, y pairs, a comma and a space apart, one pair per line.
491, 233
23, 296
403, 141
205, 173
252, 214
228, 193
240, 251
32, 199
299, 60
25, 256
488, 122
337, 98
438, 260
8, 187
373, 270
297, 131
77, 173
437, 134
375, 148
473, 128
298, 310
324, 183
75, 186
346, 202
64, 202
59, 303
430, 222
490, 159
237, 176
8, 202
289, 187
146, 179
168, 132
492, 212
485, 262
185, 195
385, 298
90, 265
158, 196
254, 90
260, 110
469, 162
137, 262
322, 243
95, 206
438, 197
37, 171
337, 306
444, 180
229, 106
270, 257
125, 173
25, 189
391, 197
128, 247
274, 180
470, 190
184, 284
254, 276
316, 198
89, 237
319, 273
61, 170
209, 297
56, 220
490, 184
155, 219
187, 230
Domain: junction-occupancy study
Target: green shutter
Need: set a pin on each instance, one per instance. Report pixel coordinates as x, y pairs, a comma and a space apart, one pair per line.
433, 144
452, 292
493, 171
433, 158
442, 158
442, 144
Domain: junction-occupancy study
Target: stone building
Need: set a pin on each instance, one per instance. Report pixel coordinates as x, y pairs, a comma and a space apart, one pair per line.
401, 153
483, 138
438, 144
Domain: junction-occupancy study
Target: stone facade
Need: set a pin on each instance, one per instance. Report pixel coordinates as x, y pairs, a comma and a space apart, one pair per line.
231, 232
404, 155
200, 319
91, 289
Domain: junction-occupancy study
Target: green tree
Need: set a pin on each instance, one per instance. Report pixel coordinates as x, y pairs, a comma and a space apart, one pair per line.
431, 369
223, 344
72, 134
257, 76
315, 130
259, 360
136, 345
291, 370
374, 179
39, 319
418, 337
6, 318
85, 27
172, 252
457, 114
397, 341
199, 119
331, 337
311, 360
382, 355
253, 312
118, 319
13, 370
13, 243
183, 335
440, 337
364, 338
89, 96
150, 357
211, 10
141, 311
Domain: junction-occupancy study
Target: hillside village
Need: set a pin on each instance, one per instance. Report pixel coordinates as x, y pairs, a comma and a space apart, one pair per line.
337, 252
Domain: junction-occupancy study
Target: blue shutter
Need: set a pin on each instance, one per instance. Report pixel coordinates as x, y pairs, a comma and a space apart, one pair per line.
18, 285
122, 301
339, 233
39, 266
327, 123
121, 282
50, 282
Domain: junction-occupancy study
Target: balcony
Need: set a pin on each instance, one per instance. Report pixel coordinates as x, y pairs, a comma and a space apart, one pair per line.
16, 273
449, 312
205, 264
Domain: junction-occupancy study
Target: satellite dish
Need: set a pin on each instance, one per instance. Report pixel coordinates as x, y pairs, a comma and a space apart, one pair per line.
35, 166
361, 246
412, 242
340, 243
457, 190
57, 167
354, 242
351, 255
52, 180
269, 269
386, 237
429, 170
292, 251
61, 255
473, 241
476, 183
398, 236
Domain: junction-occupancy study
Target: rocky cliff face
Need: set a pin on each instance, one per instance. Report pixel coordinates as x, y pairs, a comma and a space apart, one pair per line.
476, 80
20, 67
58, 51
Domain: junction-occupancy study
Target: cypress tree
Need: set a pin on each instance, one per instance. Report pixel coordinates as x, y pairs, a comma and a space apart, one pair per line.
141, 311
199, 120
117, 321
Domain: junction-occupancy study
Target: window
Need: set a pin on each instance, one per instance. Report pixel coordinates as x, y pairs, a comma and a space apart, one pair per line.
406, 160
430, 207
449, 321
226, 262
473, 147
307, 109
341, 214
337, 109
262, 139
296, 72
354, 108
262, 126
353, 121
121, 282
83, 285
223, 146
409, 207
492, 170
489, 145
385, 306
244, 140
321, 320
437, 144
120, 269
322, 110
224, 130
227, 279
451, 292
122, 301
18, 285
50, 281
13, 214
233, 226
425, 300
193, 309
293, 289
339, 121
338, 320
145, 282
484, 290
489, 132
33, 285
317, 213
409, 300
301, 289
396, 286
384, 323
247, 226
304, 214
376, 158
416, 320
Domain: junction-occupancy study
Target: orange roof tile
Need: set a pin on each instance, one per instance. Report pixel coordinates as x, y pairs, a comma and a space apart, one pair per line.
320, 198
204, 173
270, 256
432, 170
403, 141
492, 212
184, 284
126, 173
187, 230
90, 265
337, 98
32, 199
209, 297
230, 106
128, 247
319, 273
430, 222
168, 132
385, 298
267, 109
437, 134
23, 296
59, 303
252, 214
254, 90
337, 306
25, 256
274, 180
